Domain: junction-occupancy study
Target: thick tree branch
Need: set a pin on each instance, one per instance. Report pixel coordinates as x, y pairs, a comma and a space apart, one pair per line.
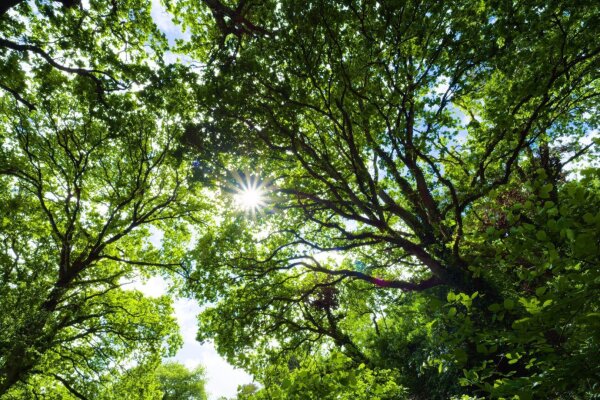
233, 21
395, 284
18, 97
90, 73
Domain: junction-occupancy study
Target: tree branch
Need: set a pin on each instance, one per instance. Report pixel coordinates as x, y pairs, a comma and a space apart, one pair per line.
395, 284
80, 71
8, 4
18, 97
70, 388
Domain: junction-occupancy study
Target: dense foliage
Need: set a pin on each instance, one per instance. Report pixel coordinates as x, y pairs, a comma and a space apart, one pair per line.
429, 226
89, 175
422, 220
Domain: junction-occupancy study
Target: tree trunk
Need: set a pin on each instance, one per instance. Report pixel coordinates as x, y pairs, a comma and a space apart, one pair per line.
30, 343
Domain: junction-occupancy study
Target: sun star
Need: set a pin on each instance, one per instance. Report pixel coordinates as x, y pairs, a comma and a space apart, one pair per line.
250, 195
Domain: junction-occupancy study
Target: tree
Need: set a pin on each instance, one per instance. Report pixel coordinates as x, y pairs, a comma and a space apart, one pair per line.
179, 383
423, 232
369, 131
156, 381
246, 391
111, 44
87, 181
390, 134
137, 383
331, 377
89, 159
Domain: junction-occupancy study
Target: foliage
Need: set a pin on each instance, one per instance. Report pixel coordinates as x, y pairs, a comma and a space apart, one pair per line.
137, 383
544, 333
431, 178
91, 172
87, 182
246, 391
395, 140
104, 42
148, 381
178, 383
332, 377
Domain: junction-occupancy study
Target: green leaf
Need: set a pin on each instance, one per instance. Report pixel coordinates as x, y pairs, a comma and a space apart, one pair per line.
495, 307
541, 235
545, 191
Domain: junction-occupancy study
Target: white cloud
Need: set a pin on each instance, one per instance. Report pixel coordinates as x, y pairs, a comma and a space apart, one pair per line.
222, 378
153, 287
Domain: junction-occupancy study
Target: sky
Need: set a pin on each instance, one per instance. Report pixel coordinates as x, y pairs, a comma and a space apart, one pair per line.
222, 378
162, 19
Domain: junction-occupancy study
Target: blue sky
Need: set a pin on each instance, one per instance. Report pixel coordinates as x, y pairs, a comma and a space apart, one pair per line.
223, 379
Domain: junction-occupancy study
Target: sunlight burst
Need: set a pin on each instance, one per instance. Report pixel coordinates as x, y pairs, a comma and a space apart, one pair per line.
250, 199
250, 196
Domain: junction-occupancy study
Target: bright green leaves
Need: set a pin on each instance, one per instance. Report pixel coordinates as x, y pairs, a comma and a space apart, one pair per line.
328, 377
109, 45
177, 382
89, 182
533, 305
409, 141
535, 328
414, 139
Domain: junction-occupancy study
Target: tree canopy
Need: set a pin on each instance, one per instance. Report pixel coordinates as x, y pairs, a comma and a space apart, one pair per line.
413, 146
425, 183
89, 173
